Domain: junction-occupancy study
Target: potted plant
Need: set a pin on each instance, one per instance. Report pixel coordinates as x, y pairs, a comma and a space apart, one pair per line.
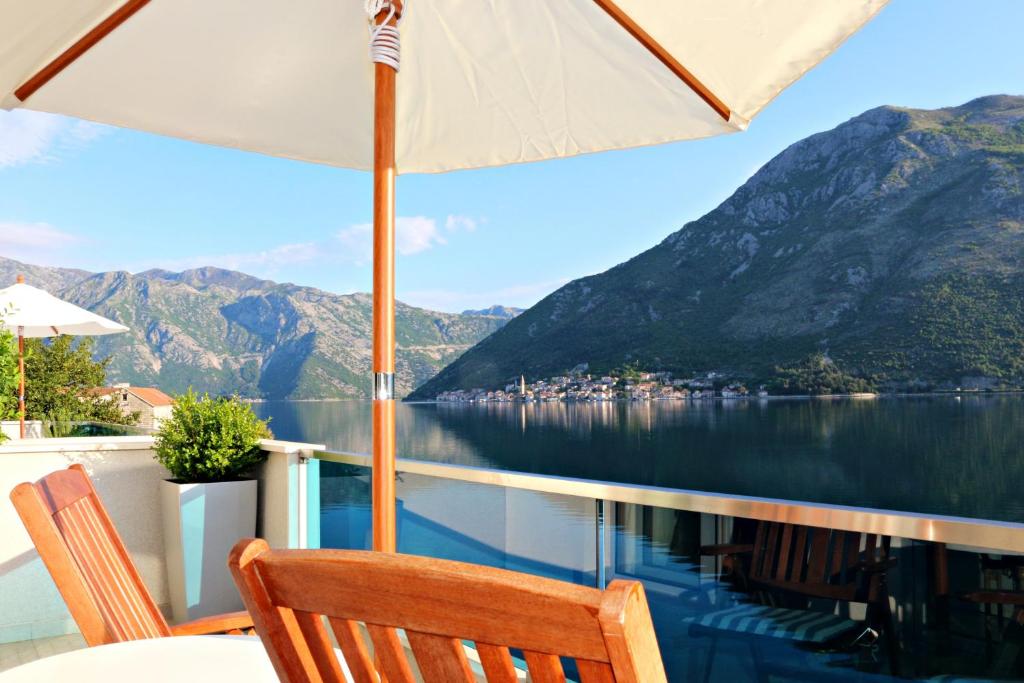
208, 445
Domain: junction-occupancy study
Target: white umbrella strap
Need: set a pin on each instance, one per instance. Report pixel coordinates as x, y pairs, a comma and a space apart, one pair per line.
385, 39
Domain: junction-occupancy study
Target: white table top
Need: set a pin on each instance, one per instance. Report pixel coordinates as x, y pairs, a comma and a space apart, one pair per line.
193, 659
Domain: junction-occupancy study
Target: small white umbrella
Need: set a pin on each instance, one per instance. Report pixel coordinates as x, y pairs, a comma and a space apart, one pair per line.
31, 312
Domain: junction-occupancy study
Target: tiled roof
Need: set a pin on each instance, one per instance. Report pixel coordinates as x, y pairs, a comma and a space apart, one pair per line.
101, 391
152, 396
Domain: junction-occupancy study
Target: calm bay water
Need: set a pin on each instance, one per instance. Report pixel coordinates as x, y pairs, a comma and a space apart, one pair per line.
941, 454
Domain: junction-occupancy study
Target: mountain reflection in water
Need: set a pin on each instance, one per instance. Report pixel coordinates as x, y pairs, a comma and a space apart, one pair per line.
938, 454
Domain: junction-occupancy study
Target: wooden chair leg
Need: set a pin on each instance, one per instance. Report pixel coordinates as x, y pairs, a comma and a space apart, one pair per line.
892, 643
709, 662
760, 671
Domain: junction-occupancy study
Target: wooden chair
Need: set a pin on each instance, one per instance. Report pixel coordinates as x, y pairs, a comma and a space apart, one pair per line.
789, 567
439, 604
91, 567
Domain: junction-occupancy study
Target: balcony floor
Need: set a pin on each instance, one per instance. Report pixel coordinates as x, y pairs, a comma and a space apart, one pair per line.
15, 654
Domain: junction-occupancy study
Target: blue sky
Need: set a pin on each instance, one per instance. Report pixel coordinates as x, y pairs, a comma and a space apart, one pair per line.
86, 196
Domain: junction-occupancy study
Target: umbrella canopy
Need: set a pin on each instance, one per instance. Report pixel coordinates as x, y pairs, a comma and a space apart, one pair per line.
30, 312
481, 83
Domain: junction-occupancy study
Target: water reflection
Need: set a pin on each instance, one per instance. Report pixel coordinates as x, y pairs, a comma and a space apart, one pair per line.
946, 614
939, 455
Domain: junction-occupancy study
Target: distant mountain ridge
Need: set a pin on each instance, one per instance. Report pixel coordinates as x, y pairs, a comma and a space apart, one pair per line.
894, 243
228, 332
506, 312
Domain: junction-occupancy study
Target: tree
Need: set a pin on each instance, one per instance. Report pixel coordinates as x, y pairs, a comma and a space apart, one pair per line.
817, 374
8, 376
61, 377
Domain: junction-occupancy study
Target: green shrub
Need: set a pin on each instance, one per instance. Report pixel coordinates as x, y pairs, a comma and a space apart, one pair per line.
210, 439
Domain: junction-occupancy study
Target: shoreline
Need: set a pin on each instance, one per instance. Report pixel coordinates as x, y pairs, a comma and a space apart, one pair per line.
863, 396
774, 397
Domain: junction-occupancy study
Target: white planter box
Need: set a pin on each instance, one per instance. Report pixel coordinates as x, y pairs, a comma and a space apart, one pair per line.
202, 522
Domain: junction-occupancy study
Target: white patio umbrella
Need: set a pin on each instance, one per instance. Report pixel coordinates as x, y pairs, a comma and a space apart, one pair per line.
482, 83
32, 313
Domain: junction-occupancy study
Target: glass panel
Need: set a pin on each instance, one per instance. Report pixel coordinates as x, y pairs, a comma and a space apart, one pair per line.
723, 610
543, 534
345, 512
933, 613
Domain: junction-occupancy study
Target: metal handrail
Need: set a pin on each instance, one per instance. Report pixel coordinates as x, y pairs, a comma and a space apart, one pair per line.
977, 533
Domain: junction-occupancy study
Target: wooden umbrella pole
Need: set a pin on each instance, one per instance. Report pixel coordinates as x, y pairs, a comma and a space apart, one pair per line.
384, 303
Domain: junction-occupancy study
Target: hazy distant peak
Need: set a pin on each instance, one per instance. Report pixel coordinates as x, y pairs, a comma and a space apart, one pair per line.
496, 311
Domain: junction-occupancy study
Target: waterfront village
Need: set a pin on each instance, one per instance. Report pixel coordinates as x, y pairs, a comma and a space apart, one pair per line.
579, 386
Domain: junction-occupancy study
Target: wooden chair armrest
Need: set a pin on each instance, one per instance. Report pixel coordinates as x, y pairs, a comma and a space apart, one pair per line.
883, 566
994, 597
727, 549
232, 622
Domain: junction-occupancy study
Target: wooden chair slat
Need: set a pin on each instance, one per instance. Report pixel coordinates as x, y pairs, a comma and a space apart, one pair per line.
853, 553
388, 650
319, 643
594, 672
838, 554
797, 574
440, 659
426, 593
771, 554
440, 604
817, 556
785, 550
869, 548
544, 668
759, 553
357, 656
497, 663
110, 581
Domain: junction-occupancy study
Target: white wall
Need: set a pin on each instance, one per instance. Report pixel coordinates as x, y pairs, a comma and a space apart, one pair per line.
126, 477
12, 429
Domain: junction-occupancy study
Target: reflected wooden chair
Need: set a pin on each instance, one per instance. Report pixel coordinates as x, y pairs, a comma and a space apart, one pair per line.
439, 604
787, 572
92, 569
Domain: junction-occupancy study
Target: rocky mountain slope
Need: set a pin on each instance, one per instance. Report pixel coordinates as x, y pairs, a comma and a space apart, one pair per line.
507, 312
223, 331
894, 243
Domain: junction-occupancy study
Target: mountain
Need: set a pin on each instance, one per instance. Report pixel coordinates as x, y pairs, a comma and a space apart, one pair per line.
893, 243
505, 312
222, 331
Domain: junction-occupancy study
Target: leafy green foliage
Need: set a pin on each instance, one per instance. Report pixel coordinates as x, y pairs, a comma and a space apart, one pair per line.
817, 375
60, 379
8, 377
210, 439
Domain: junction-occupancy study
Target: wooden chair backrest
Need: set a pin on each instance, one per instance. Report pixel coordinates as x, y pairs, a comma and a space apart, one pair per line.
439, 604
817, 562
87, 559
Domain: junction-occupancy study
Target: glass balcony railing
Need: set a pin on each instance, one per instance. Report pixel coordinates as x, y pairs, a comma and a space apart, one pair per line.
739, 588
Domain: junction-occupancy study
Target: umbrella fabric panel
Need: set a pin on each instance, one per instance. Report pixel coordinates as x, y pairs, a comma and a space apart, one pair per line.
35, 313
748, 52
33, 32
483, 83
